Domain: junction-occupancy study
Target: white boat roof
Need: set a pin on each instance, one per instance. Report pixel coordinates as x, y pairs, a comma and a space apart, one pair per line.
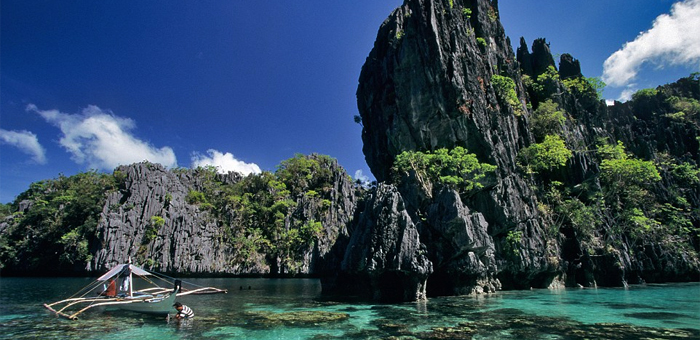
118, 269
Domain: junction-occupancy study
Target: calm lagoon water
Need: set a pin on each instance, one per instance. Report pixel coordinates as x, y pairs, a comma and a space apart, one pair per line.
276, 309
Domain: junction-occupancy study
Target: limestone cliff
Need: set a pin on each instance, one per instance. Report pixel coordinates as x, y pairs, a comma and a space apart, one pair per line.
195, 239
434, 79
184, 221
385, 259
188, 240
427, 84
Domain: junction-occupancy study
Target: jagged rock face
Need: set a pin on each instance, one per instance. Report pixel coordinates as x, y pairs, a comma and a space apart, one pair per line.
463, 251
541, 57
569, 67
191, 239
326, 254
524, 58
427, 85
385, 259
640, 126
647, 133
187, 242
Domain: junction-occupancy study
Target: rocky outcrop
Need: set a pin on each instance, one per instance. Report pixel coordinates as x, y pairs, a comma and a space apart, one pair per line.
187, 241
649, 128
385, 258
428, 83
569, 67
323, 257
184, 221
524, 58
190, 238
539, 60
463, 252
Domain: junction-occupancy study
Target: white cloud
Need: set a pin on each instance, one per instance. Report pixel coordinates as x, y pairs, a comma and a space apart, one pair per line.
359, 176
224, 162
102, 140
673, 40
25, 141
627, 93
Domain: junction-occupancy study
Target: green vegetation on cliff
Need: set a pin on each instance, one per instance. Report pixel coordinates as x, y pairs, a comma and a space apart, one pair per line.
505, 88
638, 199
625, 206
585, 86
52, 225
550, 154
268, 219
260, 214
456, 168
548, 119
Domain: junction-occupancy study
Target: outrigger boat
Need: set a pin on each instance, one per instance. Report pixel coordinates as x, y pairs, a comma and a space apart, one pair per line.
154, 299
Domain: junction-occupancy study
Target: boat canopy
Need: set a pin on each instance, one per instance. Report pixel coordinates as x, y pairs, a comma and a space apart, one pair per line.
118, 269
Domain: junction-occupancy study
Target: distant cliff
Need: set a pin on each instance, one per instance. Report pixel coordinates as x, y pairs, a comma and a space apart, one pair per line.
184, 221
496, 170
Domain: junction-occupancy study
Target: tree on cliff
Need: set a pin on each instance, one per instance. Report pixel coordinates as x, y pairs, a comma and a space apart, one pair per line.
455, 168
54, 231
260, 213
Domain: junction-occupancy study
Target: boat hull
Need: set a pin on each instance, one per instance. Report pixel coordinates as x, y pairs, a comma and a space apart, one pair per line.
154, 306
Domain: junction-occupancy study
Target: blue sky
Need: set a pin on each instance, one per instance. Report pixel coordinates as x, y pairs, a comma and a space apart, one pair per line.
244, 85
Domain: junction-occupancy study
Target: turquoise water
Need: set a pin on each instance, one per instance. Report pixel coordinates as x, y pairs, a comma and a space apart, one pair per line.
295, 309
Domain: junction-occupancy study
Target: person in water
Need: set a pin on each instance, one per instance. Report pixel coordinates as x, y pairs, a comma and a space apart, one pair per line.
183, 312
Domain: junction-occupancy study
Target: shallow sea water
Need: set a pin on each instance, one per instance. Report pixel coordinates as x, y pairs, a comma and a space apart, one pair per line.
295, 309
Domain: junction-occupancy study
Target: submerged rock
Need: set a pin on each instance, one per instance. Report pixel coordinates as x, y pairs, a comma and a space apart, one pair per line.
265, 319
